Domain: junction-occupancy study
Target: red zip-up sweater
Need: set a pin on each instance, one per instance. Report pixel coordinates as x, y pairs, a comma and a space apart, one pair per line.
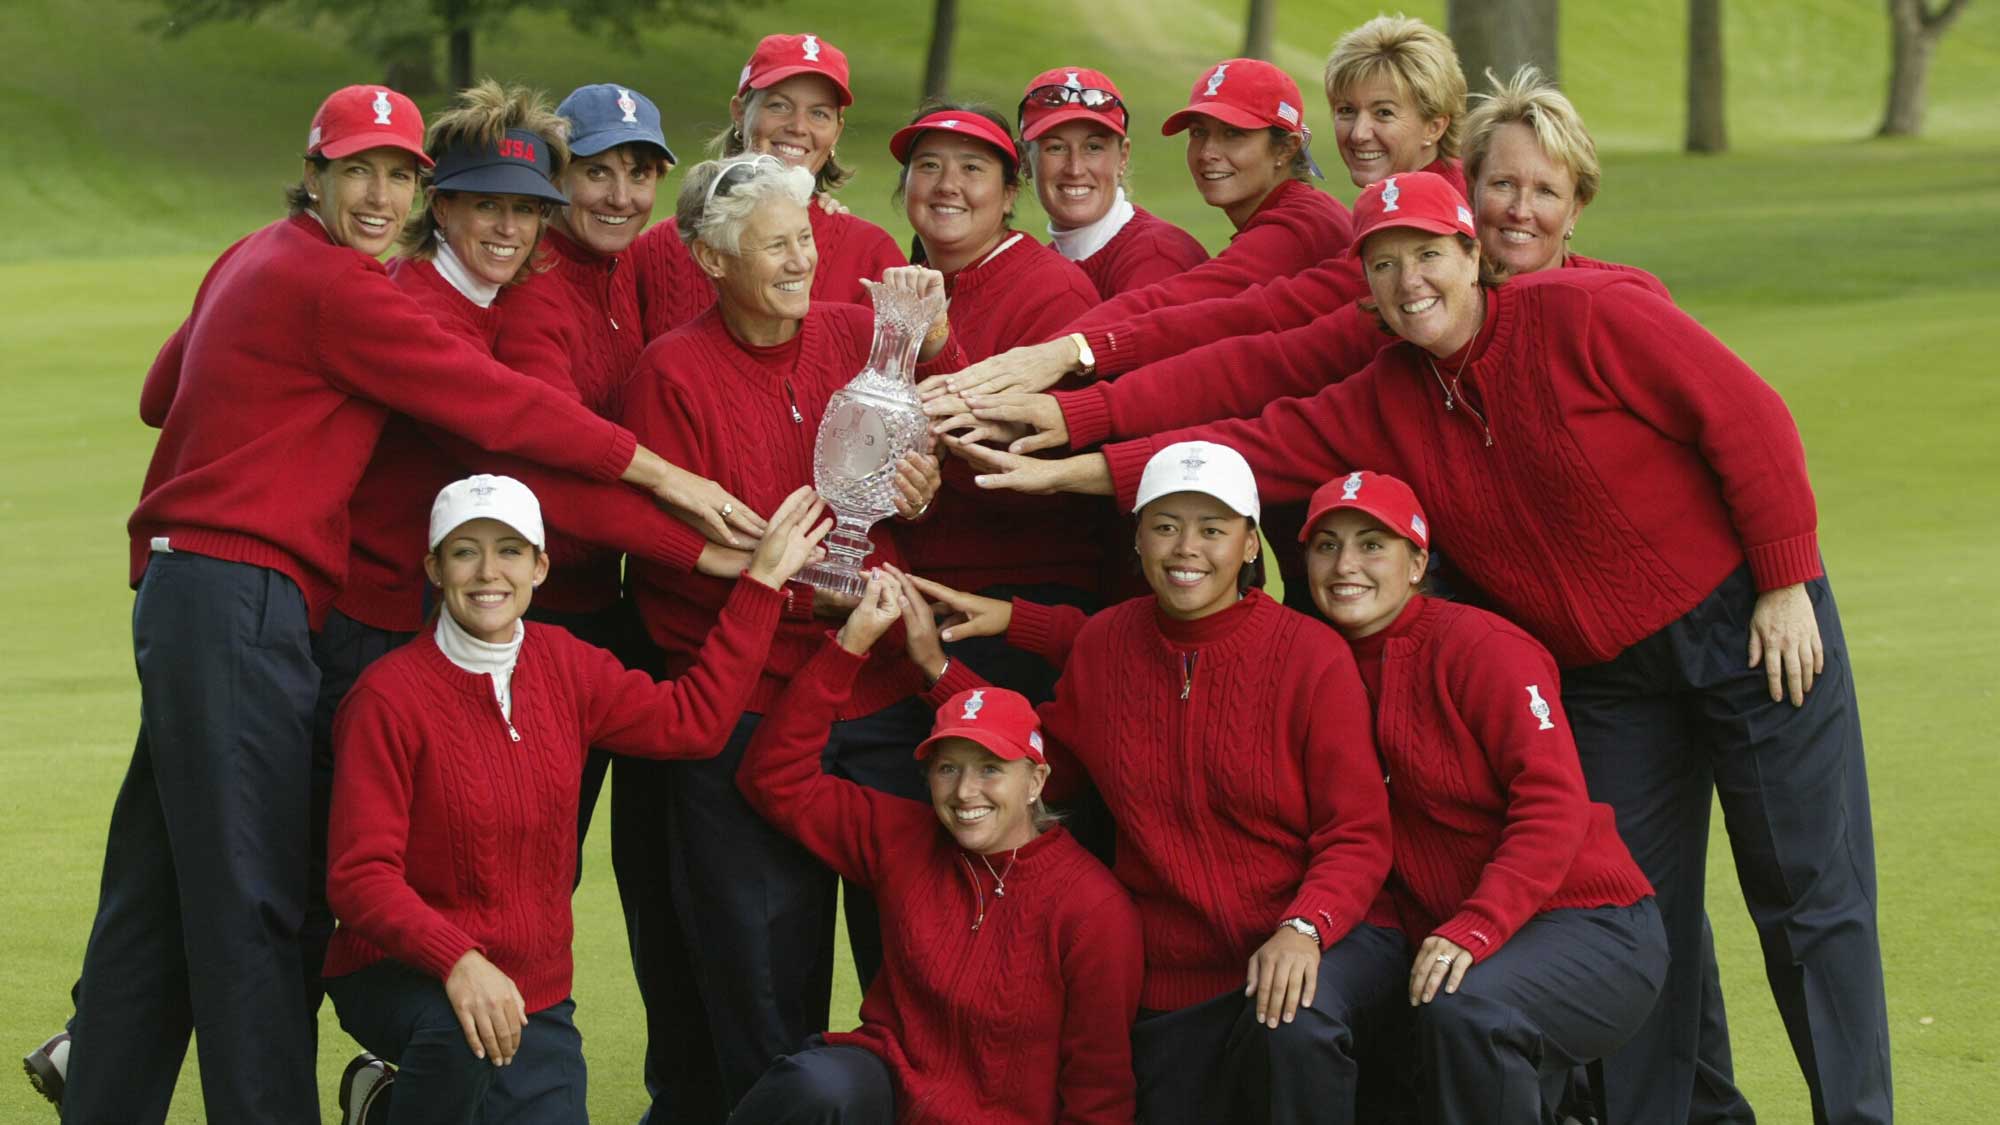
1492, 821
1273, 305
746, 417
1146, 251
673, 290
1255, 711
1604, 464
532, 328
1296, 226
1026, 1020
454, 827
270, 397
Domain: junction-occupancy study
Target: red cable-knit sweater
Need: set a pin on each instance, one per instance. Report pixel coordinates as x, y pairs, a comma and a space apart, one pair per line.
454, 828
1235, 755
1605, 463
673, 290
1492, 821
973, 537
747, 417
1145, 251
1296, 226
297, 346
1273, 305
1026, 1020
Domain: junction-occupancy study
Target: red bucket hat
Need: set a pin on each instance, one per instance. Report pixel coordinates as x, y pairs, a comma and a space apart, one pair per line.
778, 57
1381, 496
1084, 94
1421, 200
356, 118
1246, 93
1002, 721
952, 121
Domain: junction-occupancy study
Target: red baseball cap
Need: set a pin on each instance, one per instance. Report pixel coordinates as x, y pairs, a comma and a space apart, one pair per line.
1037, 118
1422, 200
356, 118
778, 57
952, 121
1002, 721
1381, 496
1246, 93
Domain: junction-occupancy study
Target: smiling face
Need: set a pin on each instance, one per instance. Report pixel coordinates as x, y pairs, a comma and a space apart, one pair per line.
491, 234
1234, 169
1525, 202
1426, 286
1362, 574
486, 575
610, 198
956, 197
1380, 131
1192, 549
766, 287
1078, 165
364, 198
982, 799
798, 120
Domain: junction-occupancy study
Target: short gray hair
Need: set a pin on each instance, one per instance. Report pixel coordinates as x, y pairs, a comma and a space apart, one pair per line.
716, 212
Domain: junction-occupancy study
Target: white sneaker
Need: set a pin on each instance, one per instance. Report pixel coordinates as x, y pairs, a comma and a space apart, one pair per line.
47, 1065
364, 1090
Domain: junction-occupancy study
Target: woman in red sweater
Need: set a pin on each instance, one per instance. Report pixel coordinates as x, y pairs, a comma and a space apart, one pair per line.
455, 787
1678, 581
1014, 957
1230, 738
740, 391
1543, 947
791, 102
1073, 122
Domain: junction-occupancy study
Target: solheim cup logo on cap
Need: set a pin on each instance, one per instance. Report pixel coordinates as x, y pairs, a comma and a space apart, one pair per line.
972, 705
482, 493
1539, 707
1351, 488
1073, 82
631, 107
1215, 80
812, 48
1390, 194
381, 107
1191, 465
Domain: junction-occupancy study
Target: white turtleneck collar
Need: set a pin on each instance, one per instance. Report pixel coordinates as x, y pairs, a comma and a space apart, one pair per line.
482, 658
1078, 243
449, 265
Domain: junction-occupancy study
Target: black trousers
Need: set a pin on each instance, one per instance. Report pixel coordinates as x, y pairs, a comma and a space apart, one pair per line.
821, 1085
403, 1016
1677, 718
1214, 1062
207, 864
757, 909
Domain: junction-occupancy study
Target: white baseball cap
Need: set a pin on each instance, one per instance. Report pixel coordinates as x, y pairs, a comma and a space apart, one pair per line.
1204, 467
487, 497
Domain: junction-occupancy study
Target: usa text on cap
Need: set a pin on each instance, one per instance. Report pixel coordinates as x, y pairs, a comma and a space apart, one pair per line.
1379, 495
1246, 93
1000, 720
607, 115
778, 57
1421, 200
357, 118
519, 163
951, 121
1071, 93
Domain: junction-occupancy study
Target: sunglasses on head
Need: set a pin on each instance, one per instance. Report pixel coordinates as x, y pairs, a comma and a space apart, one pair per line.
737, 172
1055, 96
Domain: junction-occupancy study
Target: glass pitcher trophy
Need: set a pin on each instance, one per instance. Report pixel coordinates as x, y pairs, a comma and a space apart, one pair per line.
868, 425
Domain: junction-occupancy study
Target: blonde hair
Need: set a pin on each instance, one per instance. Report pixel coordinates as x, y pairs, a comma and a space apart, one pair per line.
734, 141
480, 116
1417, 57
1533, 100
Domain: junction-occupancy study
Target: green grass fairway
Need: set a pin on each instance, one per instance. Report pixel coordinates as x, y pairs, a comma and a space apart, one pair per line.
1860, 278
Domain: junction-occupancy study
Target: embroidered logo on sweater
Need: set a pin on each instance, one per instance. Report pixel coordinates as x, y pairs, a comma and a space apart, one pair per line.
381, 107
1390, 194
630, 107
1350, 489
1539, 707
1215, 80
812, 48
973, 704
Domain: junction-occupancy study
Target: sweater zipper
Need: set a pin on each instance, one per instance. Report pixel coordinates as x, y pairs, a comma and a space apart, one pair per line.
1187, 673
792, 401
504, 720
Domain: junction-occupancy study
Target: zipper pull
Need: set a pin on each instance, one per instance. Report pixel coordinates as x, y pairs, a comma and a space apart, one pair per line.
792, 400
614, 322
1187, 674
511, 732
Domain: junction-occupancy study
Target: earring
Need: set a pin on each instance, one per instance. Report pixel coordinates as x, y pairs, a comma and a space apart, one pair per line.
1568, 234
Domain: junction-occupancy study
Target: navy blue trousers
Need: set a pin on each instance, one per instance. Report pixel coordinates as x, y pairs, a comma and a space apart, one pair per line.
208, 858
1678, 719
1214, 1062
403, 1016
821, 1085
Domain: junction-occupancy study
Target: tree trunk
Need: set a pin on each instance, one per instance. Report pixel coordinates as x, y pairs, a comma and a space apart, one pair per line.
1502, 36
461, 57
1257, 29
1706, 129
937, 65
1913, 37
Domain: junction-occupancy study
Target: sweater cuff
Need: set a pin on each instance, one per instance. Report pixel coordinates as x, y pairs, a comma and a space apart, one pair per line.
619, 457
1325, 916
1113, 348
956, 678
1786, 562
1029, 630
754, 602
441, 948
1127, 462
1087, 414
834, 668
678, 546
1476, 935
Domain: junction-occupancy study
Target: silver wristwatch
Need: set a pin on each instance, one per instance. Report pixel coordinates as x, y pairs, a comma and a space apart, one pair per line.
1304, 927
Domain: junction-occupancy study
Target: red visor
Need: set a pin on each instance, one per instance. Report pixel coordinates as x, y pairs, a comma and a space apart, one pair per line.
952, 121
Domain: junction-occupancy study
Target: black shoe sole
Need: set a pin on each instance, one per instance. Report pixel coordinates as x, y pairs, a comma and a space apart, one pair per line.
44, 1077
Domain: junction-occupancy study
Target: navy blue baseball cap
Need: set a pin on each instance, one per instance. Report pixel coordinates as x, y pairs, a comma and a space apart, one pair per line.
605, 116
519, 163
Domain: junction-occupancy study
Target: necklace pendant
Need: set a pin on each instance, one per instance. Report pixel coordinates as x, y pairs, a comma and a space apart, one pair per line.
999, 892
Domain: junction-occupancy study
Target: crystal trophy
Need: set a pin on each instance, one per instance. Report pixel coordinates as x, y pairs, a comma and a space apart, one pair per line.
868, 426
